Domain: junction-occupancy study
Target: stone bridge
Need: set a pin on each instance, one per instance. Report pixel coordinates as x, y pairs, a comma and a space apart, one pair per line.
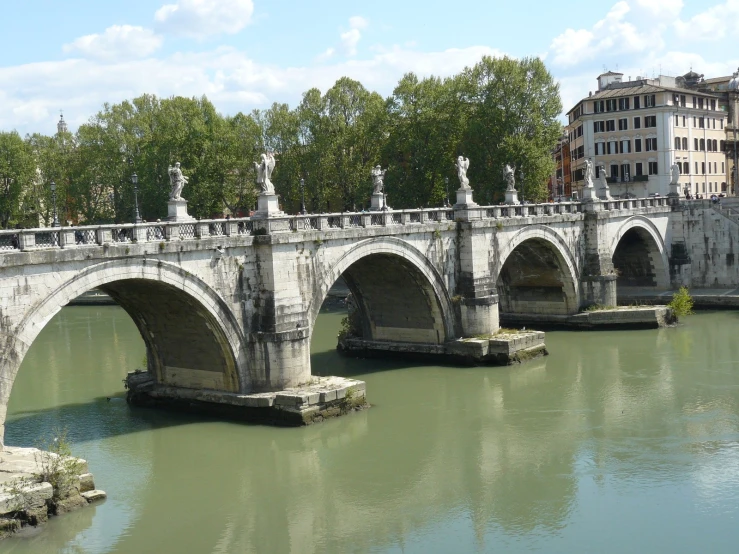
230, 305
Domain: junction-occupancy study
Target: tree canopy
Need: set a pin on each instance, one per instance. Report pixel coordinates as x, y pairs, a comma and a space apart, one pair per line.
500, 111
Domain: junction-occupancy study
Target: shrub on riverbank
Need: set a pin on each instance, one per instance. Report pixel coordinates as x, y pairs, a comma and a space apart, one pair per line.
682, 303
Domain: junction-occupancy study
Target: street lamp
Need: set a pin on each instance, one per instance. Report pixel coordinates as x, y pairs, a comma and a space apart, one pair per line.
55, 220
446, 198
135, 181
302, 196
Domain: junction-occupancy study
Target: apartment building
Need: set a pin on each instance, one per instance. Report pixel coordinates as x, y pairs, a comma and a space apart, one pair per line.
636, 129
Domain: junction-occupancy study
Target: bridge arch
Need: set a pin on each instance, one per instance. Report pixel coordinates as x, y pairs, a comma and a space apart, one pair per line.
202, 351
536, 272
400, 295
639, 255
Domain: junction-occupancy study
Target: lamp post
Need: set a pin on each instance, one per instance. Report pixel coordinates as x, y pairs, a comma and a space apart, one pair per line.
446, 198
302, 196
135, 181
55, 220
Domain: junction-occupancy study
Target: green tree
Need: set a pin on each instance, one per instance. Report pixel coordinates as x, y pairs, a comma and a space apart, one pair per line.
512, 106
17, 173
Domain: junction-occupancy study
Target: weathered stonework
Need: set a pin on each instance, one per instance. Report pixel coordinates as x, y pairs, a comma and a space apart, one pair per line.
230, 305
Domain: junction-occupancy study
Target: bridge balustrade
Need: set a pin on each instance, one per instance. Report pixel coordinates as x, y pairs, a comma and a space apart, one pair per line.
81, 236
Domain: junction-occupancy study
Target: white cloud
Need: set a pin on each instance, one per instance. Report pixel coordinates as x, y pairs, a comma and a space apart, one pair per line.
116, 42
665, 11
613, 35
716, 23
34, 93
350, 39
202, 18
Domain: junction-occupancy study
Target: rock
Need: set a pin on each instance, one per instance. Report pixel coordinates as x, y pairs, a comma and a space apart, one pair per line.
37, 516
87, 482
94, 495
29, 497
70, 504
8, 525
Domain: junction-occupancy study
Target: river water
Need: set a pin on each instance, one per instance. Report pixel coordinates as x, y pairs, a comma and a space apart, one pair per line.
617, 442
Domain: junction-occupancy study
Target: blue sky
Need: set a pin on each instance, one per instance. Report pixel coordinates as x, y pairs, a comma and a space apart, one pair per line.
245, 54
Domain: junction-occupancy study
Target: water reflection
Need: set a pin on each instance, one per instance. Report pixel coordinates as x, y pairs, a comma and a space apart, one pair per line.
611, 432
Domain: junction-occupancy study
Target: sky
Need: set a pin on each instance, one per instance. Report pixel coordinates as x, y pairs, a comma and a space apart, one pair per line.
75, 55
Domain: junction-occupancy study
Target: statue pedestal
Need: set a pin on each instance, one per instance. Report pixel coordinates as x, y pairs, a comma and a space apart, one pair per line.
177, 211
377, 202
674, 189
588, 193
511, 197
268, 205
464, 198
604, 193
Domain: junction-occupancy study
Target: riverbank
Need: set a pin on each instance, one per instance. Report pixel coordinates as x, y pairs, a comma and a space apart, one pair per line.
36, 485
703, 298
617, 318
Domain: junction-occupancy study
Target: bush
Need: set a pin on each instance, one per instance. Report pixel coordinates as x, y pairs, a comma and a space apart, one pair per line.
682, 303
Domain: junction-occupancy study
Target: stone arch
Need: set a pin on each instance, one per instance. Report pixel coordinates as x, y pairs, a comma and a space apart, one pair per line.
639, 255
411, 302
143, 287
552, 286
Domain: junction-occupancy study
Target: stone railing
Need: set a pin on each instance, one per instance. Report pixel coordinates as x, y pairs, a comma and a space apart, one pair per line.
71, 237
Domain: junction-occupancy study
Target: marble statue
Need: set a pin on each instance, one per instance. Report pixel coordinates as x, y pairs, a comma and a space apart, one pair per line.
264, 173
178, 182
463, 165
589, 173
602, 177
675, 170
509, 172
378, 174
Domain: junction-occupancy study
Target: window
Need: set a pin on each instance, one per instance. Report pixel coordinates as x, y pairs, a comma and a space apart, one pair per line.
722, 122
677, 121
723, 168
599, 126
625, 172
701, 123
614, 171
685, 124
637, 100
597, 171
600, 148
651, 144
625, 146
637, 145
611, 125
623, 124
703, 168
685, 143
611, 105
700, 103
695, 102
580, 152
695, 122
598, 106
686, 168
714, 122
649, 101
682, 103
715, 167
612, 147
723, 146
678, 142
637, 123
696, 146
702, 145
653, 168
623, 103
638, 169
715, 145
650, 121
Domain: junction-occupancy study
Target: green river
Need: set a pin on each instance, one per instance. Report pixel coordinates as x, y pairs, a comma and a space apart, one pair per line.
617, 442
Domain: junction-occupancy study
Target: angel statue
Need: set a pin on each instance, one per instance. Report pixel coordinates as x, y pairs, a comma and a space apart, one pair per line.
675, 172
589, 174
177, 180
463, 165
378, 174
264, 172
509, 172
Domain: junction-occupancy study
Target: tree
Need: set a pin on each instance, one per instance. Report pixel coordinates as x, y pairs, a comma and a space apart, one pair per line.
17, 172
512, 107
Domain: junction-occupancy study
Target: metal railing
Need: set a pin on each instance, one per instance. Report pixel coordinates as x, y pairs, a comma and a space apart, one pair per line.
82, 236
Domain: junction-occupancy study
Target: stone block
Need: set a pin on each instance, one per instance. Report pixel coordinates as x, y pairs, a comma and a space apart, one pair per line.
328, 396
29, 497
94, 495
70, 504
87, 482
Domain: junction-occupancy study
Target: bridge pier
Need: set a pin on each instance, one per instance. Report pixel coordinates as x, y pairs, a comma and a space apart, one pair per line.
598, 276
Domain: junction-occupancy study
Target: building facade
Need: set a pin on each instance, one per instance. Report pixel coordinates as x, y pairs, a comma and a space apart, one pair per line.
635, 130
